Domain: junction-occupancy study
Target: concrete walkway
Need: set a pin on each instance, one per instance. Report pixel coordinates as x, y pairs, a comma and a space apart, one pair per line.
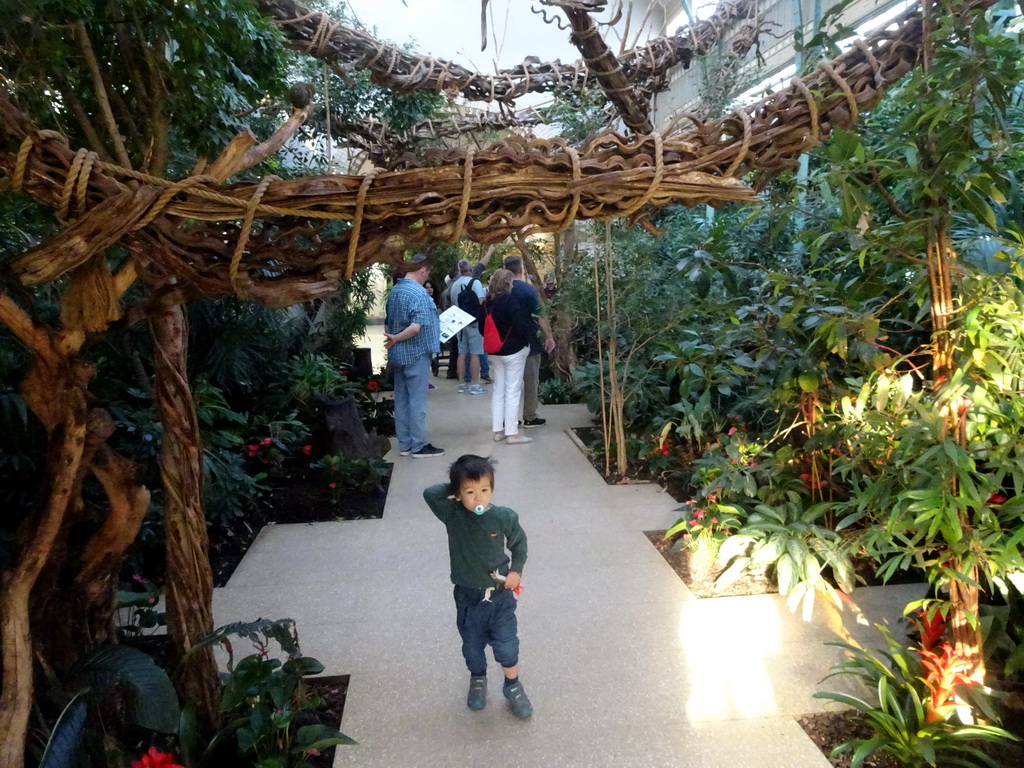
625, 667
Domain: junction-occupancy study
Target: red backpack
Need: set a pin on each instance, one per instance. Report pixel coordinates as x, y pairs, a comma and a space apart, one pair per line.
492, 339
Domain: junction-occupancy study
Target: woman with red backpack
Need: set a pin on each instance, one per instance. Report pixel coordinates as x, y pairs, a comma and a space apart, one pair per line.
507, 328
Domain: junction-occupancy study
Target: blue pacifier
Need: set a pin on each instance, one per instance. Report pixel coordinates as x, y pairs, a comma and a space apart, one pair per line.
479, 509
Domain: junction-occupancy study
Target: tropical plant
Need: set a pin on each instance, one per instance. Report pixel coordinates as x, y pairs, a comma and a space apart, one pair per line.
900, 721
266, 702
787, 541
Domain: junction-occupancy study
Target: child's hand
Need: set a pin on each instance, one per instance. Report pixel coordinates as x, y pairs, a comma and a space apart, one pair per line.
513, 581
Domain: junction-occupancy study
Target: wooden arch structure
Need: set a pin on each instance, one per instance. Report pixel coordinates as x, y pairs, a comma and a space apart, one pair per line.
200, 236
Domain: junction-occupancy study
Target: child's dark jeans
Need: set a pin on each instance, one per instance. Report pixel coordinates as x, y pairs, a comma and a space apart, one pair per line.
490, 622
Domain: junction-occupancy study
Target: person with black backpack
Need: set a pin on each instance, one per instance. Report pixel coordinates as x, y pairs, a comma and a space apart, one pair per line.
466, 293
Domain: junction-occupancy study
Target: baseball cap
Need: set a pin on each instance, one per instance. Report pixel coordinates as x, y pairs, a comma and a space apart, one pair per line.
418, 261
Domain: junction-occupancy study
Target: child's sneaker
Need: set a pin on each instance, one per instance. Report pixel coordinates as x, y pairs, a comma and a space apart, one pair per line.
521, 705
477, 698
463, 389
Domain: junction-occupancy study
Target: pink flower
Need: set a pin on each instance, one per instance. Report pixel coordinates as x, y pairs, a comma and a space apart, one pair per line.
701, 512
732, 430
267, 441
253, 448
333, 485
714, 520
712, 498
138, 578
694, 522
687, 537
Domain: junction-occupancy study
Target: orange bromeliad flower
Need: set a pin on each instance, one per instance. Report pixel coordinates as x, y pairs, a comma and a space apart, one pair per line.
945, 672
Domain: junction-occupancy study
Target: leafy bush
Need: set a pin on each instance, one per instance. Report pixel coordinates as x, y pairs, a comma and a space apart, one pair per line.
266, 703
554, 391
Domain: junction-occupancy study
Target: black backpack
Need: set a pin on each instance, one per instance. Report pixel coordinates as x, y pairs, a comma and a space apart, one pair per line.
467, 299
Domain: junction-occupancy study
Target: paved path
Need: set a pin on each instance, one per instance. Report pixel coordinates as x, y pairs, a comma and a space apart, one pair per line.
624, 666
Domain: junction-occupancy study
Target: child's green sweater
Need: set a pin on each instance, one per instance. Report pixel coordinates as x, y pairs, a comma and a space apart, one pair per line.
476, 543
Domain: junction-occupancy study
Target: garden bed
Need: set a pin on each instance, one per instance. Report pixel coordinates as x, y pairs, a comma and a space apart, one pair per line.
586, 437
292, 500
830, 729
701, 581
333, 690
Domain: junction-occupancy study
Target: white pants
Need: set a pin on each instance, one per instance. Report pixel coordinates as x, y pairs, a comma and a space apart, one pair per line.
507, 390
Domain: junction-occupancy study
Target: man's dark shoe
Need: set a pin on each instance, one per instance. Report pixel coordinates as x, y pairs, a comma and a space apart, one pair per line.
521, 705
477, 698
427, 452
531, 423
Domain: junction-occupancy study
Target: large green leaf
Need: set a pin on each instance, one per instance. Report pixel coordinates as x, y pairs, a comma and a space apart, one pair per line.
64, 745
150, 699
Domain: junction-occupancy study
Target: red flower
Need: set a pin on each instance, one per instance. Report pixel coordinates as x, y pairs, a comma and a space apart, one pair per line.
307, 449
664, 451
931, 629
267, 441
253, 449
156, 759
805, 476
995, 499
700, 513
333, 485
694, 522
373, 385
712, 498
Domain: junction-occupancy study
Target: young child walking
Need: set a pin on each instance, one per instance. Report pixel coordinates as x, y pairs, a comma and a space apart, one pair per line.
486, 578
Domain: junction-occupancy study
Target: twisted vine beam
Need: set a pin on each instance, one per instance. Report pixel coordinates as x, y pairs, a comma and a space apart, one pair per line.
384, 143
317, 34
276, 255
628, 101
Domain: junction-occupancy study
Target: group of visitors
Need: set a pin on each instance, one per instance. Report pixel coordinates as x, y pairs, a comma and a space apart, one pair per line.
510, 307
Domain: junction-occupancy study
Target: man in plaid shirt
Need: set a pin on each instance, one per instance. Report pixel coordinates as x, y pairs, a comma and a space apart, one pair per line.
412, 335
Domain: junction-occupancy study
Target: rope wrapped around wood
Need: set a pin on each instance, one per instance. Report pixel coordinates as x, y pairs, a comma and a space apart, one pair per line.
500, 190
645, 68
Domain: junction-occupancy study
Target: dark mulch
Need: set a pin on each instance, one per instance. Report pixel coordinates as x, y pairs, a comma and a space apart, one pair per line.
830, 729
292, 500
702, 582
333, 691
678, 487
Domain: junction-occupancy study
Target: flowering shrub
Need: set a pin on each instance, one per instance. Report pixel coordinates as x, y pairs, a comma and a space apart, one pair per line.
704, 526
350, 473
912, 720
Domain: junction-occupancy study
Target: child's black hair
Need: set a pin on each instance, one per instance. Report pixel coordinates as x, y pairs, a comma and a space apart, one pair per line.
469, 467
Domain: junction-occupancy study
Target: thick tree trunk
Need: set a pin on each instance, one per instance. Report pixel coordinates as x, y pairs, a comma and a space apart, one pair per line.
963, 597
345, 433
67, 443
189, 579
